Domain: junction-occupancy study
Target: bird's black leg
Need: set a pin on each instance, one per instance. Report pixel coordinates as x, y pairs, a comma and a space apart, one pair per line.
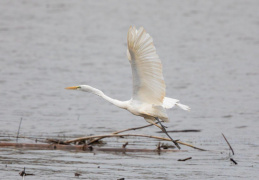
164, 130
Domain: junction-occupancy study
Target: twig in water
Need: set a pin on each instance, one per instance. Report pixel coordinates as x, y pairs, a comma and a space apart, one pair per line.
90, 148
189, 145
120, 135
118, 132
18, 130
185, 130
228, 144
185, 159
231, 159
124, 145
55, 141
77, 174
130, 129
158, 146
79, 148
23, 173
115, 135
167, 146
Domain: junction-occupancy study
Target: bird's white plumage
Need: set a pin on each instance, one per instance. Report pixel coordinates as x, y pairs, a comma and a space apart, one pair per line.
169, 102
148, 99
148, 81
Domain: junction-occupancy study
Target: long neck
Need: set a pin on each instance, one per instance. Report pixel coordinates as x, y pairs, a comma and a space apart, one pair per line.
121, 104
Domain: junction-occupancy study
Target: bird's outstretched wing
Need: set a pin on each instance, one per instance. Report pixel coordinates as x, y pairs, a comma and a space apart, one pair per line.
148, 81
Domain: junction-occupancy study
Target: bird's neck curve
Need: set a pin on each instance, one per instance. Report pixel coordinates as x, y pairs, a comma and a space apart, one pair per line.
121, 104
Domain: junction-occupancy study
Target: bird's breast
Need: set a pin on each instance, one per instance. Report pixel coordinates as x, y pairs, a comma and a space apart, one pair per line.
134, 110
138, 108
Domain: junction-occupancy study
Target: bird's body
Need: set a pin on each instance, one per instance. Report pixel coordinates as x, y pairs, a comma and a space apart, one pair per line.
148, 99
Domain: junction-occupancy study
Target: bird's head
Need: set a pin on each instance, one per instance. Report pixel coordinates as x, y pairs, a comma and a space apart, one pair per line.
85, 88
73, 88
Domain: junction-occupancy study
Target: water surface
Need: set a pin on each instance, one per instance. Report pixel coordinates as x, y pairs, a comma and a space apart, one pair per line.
209, 51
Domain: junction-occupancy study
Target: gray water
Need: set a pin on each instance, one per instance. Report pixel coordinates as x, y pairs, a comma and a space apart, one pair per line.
209, 51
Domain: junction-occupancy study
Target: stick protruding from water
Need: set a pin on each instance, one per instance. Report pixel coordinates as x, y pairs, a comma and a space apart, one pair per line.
18, 130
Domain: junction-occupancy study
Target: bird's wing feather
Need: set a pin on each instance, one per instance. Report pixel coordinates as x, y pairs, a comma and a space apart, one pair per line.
148, 81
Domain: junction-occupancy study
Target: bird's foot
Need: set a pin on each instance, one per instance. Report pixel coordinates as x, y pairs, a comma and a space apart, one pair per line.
164, 130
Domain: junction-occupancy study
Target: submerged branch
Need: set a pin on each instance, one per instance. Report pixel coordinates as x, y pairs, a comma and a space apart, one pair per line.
88, 148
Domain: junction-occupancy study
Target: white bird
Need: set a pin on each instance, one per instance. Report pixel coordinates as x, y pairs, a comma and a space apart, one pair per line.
148, 98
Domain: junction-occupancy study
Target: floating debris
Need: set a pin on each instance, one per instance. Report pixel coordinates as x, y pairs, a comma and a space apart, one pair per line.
185, 159
124, 145
77, 174
23, 173
231, 159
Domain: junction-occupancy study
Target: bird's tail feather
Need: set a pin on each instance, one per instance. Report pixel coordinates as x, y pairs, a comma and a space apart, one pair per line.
169, 103
184, 107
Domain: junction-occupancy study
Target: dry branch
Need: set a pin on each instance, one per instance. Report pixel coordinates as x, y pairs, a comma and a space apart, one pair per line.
231, 159
131, 129
228, 144
114, 135
118, 132
139, 135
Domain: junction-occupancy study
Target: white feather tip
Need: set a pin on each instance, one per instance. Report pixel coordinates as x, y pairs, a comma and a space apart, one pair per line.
184, 107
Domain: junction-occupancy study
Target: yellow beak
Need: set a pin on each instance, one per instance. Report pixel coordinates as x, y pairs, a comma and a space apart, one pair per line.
72, 88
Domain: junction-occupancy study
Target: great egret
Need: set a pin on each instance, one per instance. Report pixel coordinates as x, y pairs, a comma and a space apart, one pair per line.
148, 98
